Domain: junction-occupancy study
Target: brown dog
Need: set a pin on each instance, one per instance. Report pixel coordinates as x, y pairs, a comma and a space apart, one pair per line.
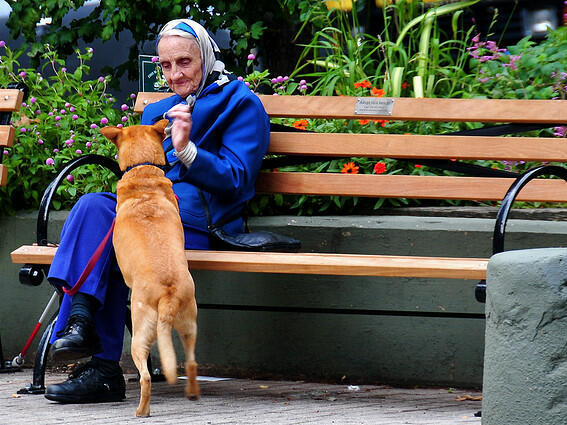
149, 244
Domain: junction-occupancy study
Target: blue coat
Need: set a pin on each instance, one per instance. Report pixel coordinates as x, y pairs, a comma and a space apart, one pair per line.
231, 131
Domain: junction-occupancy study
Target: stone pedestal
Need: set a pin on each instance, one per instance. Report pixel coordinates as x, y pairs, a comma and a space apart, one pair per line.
525, 362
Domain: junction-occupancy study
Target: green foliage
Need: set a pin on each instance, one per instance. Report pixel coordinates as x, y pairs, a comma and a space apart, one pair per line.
523, 71
59, 121
412, 48
143, 19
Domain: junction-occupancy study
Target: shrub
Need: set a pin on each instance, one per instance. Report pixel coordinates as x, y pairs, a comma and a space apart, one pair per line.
60, 120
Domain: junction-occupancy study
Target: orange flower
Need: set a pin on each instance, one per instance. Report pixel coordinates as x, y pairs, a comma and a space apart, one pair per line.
378, 92
363, 122
349, 168
301, 124
365, 84
380, 168
381, 122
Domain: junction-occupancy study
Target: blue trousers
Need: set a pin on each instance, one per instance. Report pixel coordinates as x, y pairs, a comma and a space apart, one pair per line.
85, 227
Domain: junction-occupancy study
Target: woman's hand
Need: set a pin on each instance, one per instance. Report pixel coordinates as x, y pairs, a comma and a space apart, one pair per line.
182, 124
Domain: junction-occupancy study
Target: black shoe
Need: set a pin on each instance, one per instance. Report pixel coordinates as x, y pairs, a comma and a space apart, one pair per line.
87, 384
77, 340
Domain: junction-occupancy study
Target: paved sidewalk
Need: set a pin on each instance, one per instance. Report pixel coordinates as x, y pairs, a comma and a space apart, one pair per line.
241, 401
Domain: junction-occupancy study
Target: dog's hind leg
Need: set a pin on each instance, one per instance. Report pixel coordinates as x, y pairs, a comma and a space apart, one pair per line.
142, 341
188, 334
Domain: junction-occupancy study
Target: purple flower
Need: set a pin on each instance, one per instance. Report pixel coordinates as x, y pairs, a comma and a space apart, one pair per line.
55, 150
104, 121
560, 131
90, 50
2, 44
101, 79
303, 83
69, 142
62, 111
67, 104
132, 96
88, 144
251, 57
239, 78
79, 152
124, 119
247, 84
155, 59
57, 118
70, 178
63, 69
93, 126
75, 117
49, 161
120, 125
280, 79
39, 142
22, 74
23, 129
33, 100
124, 107
5, 151
38, 112
484, 80
274, 80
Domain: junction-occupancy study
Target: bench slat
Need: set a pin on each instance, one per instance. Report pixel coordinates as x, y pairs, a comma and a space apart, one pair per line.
10, 99
306, 263
6, 135
405, 108
408, 186
423, 109
419, 146
3, 175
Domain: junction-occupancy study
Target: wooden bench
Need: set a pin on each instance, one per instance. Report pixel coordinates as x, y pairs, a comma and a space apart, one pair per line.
538, 113
10, 101
434, 150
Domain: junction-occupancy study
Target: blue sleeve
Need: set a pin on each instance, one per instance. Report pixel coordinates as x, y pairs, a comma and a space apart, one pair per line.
227, 166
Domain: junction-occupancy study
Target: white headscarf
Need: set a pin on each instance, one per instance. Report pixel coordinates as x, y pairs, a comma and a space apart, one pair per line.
210, 52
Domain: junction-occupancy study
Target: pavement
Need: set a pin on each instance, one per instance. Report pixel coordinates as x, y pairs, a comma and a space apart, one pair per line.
244, 401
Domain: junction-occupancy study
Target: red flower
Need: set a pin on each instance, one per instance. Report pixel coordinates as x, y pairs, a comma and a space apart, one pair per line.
381, 122
380, 168
365, 84
405, 85
363, 122
301, 124
418, 166
349, 168
378, 92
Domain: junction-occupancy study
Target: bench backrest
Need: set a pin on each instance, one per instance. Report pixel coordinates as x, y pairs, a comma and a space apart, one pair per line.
416, 147
10, 101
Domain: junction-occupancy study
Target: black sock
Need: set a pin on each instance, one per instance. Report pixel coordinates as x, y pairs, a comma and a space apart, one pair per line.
107, 367
84, 305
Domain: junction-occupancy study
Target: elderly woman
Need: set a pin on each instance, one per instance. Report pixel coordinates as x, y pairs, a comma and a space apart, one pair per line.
216, 139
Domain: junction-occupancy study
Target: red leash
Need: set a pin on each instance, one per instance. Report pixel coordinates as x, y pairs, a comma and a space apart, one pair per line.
90, 265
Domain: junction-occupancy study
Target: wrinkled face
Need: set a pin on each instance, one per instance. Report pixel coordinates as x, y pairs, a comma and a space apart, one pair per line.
180, 60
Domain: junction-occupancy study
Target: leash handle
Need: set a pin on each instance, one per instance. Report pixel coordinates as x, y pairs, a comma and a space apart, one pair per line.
90, 265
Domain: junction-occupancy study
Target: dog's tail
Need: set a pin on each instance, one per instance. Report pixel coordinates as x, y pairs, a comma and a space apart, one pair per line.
167, 310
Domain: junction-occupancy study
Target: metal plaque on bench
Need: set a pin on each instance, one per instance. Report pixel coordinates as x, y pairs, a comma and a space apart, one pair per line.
373, 106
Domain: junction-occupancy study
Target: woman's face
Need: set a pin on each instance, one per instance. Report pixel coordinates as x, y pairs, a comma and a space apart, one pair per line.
180, 60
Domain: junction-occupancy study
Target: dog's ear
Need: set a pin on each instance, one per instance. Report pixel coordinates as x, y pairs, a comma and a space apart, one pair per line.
111, 133
160, 126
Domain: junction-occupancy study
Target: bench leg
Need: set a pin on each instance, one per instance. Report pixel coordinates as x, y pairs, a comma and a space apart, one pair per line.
37, 385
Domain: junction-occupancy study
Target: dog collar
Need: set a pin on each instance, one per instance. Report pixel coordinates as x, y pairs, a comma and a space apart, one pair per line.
162, 167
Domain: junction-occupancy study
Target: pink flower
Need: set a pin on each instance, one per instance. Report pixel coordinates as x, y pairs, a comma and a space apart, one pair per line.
93, 126
124, 107
57, 118
132, 96
251, 57
155, 59
39, 142
22, 74
75, 117
2, 44
124, 119
88, 144
5, 151
101, 79
104, 121
70, 178
33, 100
49, 161
79, 152
23, 129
